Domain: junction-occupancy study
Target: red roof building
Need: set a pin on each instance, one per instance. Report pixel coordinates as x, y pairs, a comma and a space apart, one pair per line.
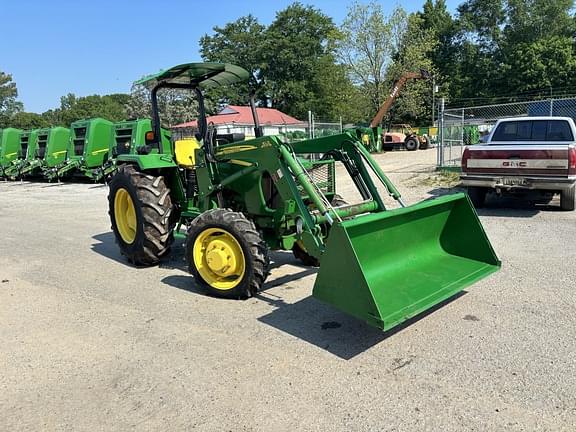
234, 115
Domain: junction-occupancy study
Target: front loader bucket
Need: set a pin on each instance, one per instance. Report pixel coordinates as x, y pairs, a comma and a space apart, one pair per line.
387, 267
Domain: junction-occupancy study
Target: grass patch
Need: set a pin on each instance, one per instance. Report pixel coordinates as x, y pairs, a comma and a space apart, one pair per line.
442, 178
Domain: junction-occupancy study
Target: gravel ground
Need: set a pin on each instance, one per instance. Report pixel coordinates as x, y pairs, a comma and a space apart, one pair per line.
91, 343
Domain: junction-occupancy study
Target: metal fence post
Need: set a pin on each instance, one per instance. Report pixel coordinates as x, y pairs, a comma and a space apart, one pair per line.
440, 152
551, 107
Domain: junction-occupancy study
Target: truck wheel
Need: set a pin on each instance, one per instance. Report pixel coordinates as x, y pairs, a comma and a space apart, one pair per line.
226, 254
411, 143
477, 195
140, 210
567, 198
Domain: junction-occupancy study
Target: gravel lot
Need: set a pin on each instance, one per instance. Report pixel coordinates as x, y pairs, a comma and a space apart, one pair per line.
91, 343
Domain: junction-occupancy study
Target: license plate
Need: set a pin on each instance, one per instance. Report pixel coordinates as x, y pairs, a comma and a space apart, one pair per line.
514, 181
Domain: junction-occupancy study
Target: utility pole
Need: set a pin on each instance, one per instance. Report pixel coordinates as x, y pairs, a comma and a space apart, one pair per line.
434, 91
433, 96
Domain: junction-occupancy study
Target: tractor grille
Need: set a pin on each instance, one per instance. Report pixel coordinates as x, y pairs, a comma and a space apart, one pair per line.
42, 142
322, 173
123, 140
79, 140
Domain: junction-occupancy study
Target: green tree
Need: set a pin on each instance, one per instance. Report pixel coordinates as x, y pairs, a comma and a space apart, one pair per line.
239, 42
291, 62
414, 53
369, 40
8, 103
28, 120
512, 47
537, 49
297, 53
438, 23
175, 106
72, 108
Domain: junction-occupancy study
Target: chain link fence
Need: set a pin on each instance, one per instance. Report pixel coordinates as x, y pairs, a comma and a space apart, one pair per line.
459, 127
314, 128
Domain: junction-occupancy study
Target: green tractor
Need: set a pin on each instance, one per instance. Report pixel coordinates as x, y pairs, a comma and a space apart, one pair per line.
51, 148
9, 148
88, 149
237, 200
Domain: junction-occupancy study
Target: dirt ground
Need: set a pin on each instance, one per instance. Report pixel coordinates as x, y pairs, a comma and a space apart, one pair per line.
90, 343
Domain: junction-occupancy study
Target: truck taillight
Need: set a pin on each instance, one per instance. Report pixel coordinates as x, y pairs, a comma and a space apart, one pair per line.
572, 161
465, 157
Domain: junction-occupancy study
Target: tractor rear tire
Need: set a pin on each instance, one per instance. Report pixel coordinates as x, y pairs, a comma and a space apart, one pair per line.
411, 143
568, 198
220, 240
141, 212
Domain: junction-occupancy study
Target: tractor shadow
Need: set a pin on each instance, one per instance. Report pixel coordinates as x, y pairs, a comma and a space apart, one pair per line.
186, 282
105, 245
329, 329
308, 319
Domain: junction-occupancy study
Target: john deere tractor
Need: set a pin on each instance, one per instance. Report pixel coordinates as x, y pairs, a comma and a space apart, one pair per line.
235, 200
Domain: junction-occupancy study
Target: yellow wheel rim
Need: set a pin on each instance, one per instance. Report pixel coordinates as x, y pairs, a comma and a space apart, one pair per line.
219, 258
125, 215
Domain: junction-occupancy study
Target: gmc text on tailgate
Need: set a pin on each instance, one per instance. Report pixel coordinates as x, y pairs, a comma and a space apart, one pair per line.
527, 153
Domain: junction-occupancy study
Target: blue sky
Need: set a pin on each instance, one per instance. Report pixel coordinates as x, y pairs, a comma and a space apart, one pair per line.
55, 47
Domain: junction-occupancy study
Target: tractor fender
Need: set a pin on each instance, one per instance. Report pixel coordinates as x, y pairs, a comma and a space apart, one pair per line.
149, 161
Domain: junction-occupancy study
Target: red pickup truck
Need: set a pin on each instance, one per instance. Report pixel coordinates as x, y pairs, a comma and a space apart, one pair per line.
527, 153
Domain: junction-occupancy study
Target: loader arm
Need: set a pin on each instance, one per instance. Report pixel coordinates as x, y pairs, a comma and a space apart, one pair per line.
378, 264
396, 88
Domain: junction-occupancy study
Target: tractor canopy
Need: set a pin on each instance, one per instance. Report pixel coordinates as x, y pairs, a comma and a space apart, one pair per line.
204, 75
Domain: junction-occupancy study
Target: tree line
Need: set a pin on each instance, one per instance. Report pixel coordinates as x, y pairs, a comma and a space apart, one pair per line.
487, 51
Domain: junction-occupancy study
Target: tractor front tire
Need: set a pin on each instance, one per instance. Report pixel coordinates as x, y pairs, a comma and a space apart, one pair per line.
226, 254
411, 143
141, 212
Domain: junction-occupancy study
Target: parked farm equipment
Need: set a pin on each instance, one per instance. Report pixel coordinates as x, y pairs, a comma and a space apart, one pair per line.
87, 151
373, 136
51, 147
403, 135
28, 144
241, 199
9, 148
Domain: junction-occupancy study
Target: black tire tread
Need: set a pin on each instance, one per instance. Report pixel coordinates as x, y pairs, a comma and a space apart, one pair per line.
568, 199
259, 253
156, 206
